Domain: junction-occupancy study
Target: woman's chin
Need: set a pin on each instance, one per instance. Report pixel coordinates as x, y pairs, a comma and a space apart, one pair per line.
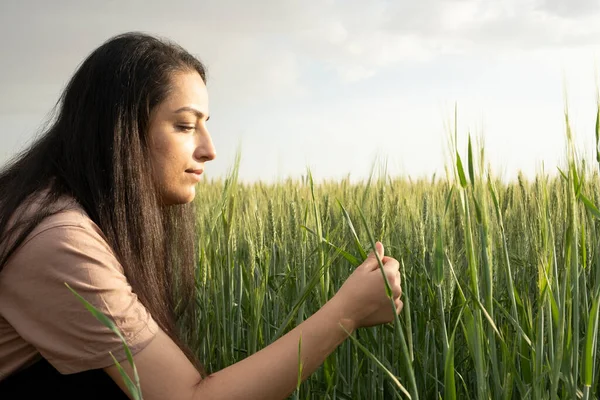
182, 197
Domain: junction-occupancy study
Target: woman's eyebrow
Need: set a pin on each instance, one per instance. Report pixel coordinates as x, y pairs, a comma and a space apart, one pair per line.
198, 113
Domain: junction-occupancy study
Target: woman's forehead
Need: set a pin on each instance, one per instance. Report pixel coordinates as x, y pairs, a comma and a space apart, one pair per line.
188, 91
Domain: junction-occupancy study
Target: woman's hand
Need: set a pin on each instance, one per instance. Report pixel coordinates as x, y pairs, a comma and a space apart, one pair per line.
362, 298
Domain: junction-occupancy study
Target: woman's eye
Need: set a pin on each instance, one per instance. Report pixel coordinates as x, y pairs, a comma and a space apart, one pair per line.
186, 128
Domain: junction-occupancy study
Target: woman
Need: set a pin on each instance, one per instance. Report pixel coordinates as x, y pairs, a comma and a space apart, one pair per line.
103, 202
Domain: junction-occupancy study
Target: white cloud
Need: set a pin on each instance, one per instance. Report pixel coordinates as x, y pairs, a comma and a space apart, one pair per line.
277, 51
570, 8
353, 38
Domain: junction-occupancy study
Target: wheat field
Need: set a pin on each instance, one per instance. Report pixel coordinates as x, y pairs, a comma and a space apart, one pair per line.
501, 280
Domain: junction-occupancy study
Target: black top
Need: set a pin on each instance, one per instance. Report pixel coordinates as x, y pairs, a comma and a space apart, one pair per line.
41, 380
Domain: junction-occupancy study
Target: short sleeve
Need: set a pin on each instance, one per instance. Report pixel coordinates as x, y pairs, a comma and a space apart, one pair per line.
36, 302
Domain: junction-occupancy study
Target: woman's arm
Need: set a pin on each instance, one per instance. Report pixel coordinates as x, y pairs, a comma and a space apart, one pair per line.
272, 373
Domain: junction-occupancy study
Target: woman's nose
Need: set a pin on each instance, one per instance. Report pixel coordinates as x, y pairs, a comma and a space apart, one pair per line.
205, 149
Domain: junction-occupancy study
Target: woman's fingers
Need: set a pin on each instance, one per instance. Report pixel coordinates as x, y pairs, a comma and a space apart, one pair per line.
399, 305
393, 278
391, 264
396, 291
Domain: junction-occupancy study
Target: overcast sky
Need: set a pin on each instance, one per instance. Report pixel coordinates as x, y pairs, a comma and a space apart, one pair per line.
336, 85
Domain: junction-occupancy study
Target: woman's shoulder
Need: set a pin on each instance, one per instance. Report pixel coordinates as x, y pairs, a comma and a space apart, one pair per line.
70, 230
63, 229
63, 212
66, 212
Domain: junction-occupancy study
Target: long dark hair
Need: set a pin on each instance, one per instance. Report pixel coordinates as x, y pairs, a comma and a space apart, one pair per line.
96, 151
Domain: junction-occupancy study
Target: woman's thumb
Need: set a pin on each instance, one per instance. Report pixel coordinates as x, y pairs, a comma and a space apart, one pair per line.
380, 250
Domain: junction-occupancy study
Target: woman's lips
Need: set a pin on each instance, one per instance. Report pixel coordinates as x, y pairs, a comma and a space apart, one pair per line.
196, 173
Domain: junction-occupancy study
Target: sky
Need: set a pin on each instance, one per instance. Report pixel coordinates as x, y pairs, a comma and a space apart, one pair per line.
337, 86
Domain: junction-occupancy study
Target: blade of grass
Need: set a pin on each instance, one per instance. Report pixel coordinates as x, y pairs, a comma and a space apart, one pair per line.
378, 363
135, 390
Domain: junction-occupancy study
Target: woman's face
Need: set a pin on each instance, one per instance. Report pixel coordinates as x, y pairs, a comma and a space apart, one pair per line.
179, 140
